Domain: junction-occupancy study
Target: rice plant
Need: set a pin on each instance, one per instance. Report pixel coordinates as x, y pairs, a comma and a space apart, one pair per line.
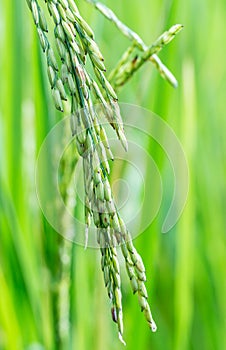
52, 292
72, 82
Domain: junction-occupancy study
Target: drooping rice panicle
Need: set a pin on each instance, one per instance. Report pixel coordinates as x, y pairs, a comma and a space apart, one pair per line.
71, 81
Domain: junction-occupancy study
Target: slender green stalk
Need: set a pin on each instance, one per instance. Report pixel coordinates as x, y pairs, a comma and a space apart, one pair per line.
137, 43
124, 72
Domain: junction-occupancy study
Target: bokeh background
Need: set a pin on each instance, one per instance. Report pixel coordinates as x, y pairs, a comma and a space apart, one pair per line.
186, 268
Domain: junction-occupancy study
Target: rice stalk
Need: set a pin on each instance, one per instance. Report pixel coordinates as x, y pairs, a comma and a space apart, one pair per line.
124, 71
137, 42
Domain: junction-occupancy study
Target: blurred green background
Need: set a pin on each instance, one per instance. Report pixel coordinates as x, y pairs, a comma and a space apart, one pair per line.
186, 268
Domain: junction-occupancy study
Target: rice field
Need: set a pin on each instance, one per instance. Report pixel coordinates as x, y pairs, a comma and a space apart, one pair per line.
47, 303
